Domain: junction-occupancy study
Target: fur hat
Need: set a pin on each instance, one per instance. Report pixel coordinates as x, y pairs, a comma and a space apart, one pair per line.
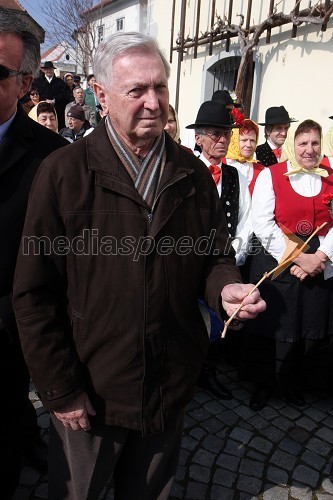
76, 111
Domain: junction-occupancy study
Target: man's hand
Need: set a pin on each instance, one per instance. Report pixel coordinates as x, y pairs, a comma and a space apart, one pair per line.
75, 415
233, 295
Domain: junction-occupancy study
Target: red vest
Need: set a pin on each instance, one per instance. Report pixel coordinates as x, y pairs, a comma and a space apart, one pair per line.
299, 214
257, 168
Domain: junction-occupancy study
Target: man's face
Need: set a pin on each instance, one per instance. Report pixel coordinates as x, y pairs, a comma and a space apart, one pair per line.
137, 98
78, 96
278, 134
214, 143
75, 124
69, 80
92, 81
16, 86
49, 72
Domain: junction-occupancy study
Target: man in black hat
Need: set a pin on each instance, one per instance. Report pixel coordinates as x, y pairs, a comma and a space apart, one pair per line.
213, 130
52, 88
277, 123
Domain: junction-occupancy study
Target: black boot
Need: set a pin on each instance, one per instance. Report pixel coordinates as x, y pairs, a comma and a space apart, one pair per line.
208, 380
260, 397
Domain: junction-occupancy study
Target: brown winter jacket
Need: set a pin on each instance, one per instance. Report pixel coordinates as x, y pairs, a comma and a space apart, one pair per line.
94, 312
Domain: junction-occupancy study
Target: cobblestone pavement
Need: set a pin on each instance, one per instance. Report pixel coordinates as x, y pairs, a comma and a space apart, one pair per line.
230, 452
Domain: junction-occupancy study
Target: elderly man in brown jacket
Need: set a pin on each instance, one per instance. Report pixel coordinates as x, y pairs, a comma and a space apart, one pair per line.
121, 237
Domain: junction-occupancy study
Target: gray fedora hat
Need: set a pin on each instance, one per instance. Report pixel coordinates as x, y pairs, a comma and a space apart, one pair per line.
213, 114
276, 115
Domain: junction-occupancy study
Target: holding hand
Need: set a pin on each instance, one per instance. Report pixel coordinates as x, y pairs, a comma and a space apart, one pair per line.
233, 295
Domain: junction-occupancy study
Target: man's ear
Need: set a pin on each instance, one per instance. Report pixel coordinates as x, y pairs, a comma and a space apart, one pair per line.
26, 82
198, 139
100, 94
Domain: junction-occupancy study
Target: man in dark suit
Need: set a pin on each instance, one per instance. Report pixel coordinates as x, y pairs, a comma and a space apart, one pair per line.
277, 123
23, 145
54, 89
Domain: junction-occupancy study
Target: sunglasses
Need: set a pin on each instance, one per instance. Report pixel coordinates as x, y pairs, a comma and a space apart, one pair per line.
6, 72
34, 93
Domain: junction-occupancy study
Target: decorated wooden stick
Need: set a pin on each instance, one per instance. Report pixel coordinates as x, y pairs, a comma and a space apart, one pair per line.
285, 262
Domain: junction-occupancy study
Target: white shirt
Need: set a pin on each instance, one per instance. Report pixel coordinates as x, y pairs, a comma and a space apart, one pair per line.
272, 146
244, 229
245, 168
263, 207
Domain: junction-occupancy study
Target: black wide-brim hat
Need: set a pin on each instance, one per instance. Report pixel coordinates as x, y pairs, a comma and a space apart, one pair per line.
277, 115
48, 64
225, 97
213, 114
331, 117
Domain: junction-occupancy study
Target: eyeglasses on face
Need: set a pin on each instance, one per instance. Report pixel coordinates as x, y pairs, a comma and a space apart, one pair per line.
6, 72
217, 134
34, 93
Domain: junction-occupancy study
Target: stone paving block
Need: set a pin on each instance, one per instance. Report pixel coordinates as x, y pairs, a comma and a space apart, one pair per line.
277, 403
251, 467
200, 397
189, 443
275, 493
183, 457
242, 435
254, 455
328, 422
228, 418
325, 434
213, 444
327, 486
258, 422
199, 473
273, 434
204, 457
290, 446
269, 413
305, 475
177, 491
197, 433
213, 425
290, 412
241, 394
314, 414
228, 462
300, 492
277, 476
299, 435
249, 484
261, 445
189, 422
224, 477
244, 411
214, 407
199, 414
314, 460
324, 496
195, 491
218, 492
283, 459
234, 448
319, 446
283, 423
306, 423
324, 405
181, 473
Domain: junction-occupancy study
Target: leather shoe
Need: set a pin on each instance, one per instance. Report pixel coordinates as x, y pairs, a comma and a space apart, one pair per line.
208, 380
260, 397
294, 396
35, 454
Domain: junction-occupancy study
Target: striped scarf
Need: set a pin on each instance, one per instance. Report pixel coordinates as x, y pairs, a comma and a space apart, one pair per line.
145, 174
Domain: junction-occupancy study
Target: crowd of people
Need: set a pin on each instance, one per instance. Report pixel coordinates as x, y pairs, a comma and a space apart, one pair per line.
126, 252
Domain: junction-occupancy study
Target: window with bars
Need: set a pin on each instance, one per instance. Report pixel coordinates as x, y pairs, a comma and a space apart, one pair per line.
225, 73
120, 23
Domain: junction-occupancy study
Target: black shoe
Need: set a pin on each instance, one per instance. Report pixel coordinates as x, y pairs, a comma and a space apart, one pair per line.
260, 397
294, 396
35, 454
208, 380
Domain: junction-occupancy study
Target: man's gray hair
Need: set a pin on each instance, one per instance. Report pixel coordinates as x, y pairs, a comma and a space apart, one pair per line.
14, 24
117, 44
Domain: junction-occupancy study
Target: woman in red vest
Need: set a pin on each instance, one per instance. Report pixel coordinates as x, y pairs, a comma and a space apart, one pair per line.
288, 346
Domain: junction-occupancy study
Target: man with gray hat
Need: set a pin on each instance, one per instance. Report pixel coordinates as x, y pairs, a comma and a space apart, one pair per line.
277, 123
78, 126
52, 88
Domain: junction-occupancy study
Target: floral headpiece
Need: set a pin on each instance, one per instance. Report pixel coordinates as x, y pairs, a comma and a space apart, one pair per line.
238, 117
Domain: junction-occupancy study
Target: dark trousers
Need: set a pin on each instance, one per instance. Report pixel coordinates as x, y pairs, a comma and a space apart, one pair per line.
82, 463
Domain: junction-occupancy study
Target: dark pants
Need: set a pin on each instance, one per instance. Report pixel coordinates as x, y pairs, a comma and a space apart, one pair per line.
82, 463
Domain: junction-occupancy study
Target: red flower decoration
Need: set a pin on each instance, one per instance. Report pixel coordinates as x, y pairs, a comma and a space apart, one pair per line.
238, 117
327, 198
